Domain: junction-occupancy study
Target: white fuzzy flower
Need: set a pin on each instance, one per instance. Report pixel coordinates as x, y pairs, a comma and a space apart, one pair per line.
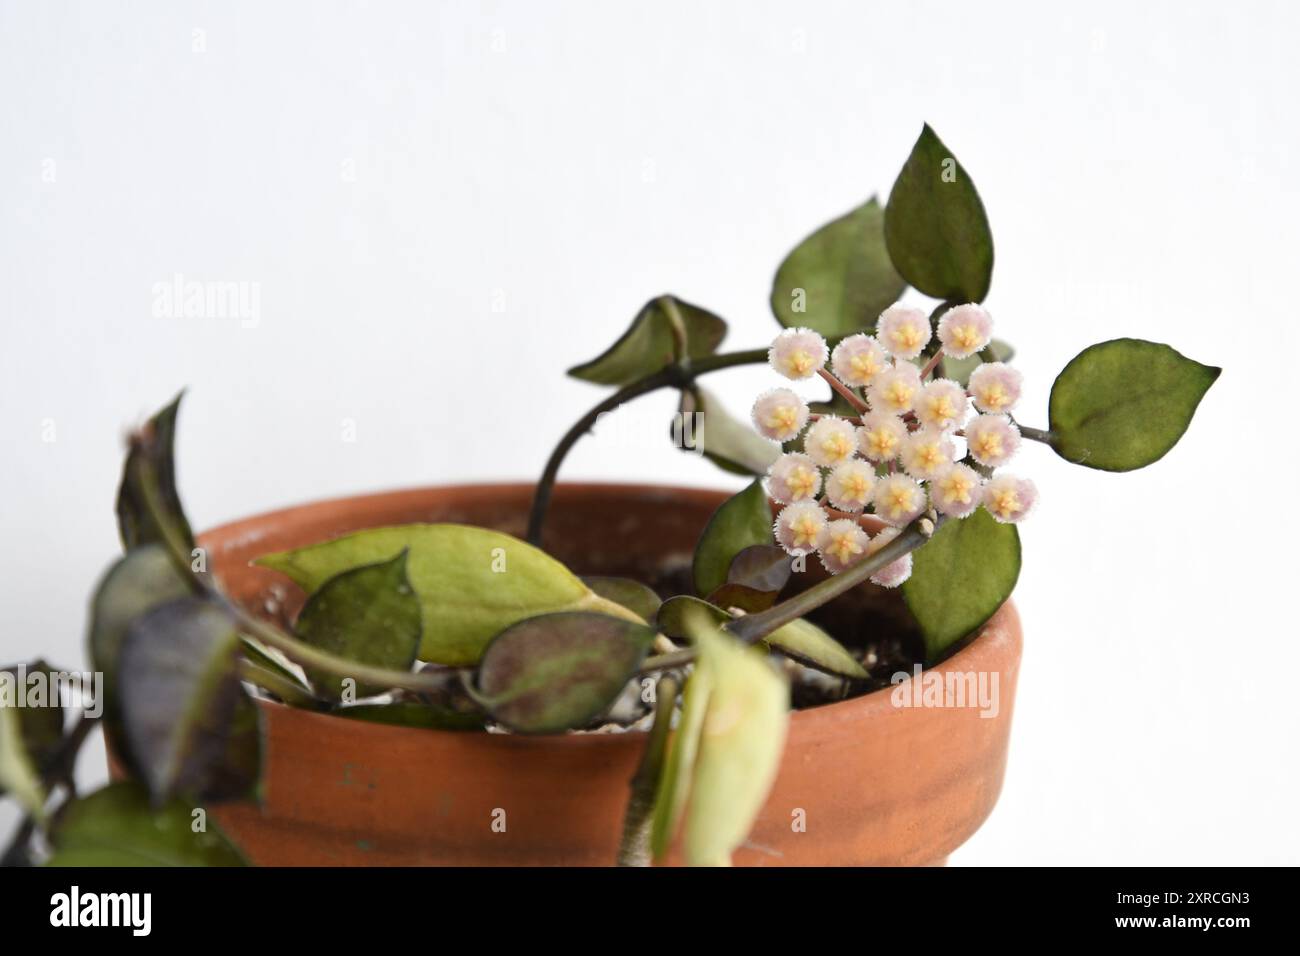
798, 526
897, 571
956, 491
995, 387
897, 499
903, 331
858, 359
1008, 498
895, 390
926, 453
881, 437
830, 440
797, 353
965, 329
849, 486
942, 405
793, 477
842, 544
780, 414
992, 439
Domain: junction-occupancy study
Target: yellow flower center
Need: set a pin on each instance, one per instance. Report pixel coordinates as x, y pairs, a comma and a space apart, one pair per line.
783, 419
836, 446
799, 362
940, 409
883, 443
1005, 503
855, 488
989, 445
804, 531
906, 338
929, 457
844, 546
802, 482
966, 336
994, 397
864, 365
898, 395
899, 501
956, 487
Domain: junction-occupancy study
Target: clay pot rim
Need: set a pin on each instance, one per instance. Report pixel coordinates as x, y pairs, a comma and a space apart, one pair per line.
999, 639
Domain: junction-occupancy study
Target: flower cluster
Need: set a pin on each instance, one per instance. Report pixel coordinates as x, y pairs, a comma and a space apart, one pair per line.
913, 448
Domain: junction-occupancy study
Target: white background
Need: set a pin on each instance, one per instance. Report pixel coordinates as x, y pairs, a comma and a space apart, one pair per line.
389, 172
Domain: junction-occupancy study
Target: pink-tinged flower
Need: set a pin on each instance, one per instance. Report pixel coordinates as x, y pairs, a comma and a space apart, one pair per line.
849, 486
955, 491
941, 405
881, 436
780, 414
858, 359
895, 389
1008, 498
992, 439
798, 526
903, 331
793, 477
842, 544
965, 329
897, 499
995, 387
797, 353
926, 453
830, 440
896, 572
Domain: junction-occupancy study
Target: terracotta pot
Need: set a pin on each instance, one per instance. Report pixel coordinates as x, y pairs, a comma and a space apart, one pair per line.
876, 783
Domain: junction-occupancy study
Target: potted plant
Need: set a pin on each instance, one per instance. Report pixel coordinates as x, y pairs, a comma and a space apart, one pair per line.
817, 669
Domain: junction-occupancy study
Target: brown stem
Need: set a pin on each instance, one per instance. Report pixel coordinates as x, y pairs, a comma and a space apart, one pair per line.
844, 391
678, 376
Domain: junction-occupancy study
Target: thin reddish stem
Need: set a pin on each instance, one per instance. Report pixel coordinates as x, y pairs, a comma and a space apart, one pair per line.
843, 390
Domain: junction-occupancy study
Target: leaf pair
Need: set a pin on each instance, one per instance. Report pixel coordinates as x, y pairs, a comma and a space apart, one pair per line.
933, 235
176, 711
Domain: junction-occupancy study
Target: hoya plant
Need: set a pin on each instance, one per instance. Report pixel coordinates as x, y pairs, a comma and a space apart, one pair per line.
898, 474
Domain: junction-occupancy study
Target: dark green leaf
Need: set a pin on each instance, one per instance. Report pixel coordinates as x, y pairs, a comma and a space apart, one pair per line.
369, 614
959, 370
413, 714
633, 595
559, 671
935, 227
841, 275
472, 583
960, 577
19, 775
742, 520
150, 469
704, 426
189, 725
40, 721
653, 342
1123, 404
117, 826
754, 580
144, 578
